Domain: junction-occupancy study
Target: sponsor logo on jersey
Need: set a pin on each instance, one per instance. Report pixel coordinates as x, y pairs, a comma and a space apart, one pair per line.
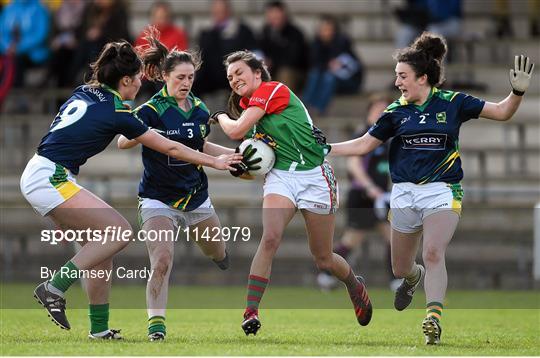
405, 120
441, 117
424, 141
173, 131
96, 92
188, 124
258, 100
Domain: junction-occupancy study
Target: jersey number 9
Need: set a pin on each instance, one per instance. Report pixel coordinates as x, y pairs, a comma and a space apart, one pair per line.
71, 114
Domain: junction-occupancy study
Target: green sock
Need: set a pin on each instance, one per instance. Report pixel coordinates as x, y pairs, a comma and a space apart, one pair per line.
256, 287
156, 324
99, 317
65, 277
434, 310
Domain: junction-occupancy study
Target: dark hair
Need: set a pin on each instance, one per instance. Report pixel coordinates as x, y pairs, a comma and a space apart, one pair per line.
276, 4
158, 59
425, 56
255, 64
332, 20
116, 60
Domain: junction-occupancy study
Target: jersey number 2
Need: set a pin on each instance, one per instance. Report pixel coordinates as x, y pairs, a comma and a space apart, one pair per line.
71, 114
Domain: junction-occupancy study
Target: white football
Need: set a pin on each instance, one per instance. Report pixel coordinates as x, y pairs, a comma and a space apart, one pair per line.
264, 151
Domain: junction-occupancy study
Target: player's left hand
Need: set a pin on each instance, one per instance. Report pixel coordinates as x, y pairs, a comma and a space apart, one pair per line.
520, 75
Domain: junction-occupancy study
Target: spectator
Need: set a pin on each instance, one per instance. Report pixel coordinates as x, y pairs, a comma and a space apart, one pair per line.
413, 18
161, 17
226, 35
503, 25
105, 20
367, 198
24, 28
279, 36
172, 36
65, 41
335, 68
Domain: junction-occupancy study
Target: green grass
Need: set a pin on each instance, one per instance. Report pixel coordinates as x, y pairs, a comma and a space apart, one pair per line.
286, 331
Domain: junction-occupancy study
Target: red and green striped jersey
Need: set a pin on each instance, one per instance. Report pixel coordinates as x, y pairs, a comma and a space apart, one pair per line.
288, 123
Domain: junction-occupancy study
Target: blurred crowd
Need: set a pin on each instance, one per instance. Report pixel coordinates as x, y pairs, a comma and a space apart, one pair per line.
62, 37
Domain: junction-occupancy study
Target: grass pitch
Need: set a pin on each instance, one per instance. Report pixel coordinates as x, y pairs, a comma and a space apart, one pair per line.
285, 331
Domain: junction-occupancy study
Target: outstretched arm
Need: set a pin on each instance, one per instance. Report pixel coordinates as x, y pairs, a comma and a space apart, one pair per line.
157, 142
124, 143
358, 146
216, 149
520, 78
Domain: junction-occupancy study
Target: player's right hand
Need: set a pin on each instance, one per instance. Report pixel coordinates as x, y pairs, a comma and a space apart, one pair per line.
520, 75
227, 161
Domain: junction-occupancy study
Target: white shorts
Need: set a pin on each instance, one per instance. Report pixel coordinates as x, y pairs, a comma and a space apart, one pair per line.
315, 190
411, 203
150, 208
45, 184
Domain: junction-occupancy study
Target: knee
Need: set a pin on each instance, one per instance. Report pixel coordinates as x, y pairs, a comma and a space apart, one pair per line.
432, 255
324, 263
161, 262
124, 227
270, 241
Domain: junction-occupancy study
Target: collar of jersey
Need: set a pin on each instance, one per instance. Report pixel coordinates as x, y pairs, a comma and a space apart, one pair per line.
172, 101
403, 102
113, 91
163, 93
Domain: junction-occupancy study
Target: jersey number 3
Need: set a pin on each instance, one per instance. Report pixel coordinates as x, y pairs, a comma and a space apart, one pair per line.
71, 114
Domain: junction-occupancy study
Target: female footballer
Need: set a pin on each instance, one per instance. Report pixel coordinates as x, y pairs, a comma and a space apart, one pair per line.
300, 179
425, 165
83, 127
174, 193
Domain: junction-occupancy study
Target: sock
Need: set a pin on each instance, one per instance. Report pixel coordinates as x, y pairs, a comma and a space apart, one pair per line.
342, 251
256, 287
434, 310
99, 318
156, 324
65, 277
224, 262
414, 276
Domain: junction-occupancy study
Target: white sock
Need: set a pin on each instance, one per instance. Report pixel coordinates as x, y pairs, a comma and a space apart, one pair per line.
54, 290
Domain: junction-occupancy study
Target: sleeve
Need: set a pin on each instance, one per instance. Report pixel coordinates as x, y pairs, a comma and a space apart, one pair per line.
470, 107
273, 97
147, 115
383, 129
129, 125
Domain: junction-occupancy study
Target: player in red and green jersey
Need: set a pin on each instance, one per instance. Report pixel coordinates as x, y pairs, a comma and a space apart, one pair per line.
301, 178
425, 166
